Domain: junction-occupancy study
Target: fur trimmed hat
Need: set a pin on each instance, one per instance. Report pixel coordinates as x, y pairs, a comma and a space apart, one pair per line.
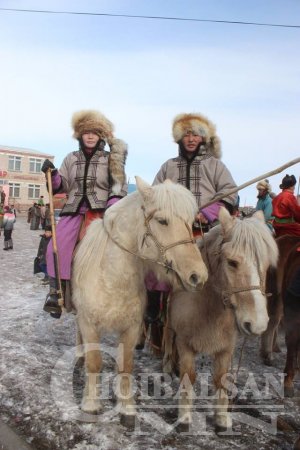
91, 120
288, 181
265, 185
200, 125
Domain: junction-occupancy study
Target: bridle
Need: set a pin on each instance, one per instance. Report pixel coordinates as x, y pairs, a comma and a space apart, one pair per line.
163, 248
227, 293
162, 261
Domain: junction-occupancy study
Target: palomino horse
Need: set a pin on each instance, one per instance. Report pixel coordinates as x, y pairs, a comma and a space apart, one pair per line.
275, 302
237, 254
148, 230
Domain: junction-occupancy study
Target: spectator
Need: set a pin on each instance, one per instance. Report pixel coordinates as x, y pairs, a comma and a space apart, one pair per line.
2, 196
286, 210
264, 202
41, 201
42, 251
8, 226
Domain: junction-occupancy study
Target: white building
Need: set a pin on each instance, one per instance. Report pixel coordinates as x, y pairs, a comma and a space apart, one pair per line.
21, 177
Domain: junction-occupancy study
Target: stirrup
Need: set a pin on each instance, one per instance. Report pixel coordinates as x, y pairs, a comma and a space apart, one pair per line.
51, 304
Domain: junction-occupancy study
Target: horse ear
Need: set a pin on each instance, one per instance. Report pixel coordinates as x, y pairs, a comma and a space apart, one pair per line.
143, 187
259, 215
226, 220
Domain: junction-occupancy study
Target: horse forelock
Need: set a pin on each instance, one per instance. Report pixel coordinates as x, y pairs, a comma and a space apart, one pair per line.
252, 238
174, 200
249, 237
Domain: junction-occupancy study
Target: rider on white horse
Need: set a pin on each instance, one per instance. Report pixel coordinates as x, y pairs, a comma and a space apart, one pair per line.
93, 179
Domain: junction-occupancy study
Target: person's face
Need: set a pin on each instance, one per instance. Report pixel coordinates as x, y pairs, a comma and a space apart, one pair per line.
261, 191
48, 234
191, 141
90, 139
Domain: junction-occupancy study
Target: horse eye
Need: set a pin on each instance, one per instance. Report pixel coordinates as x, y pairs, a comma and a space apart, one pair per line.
232, 263
162, 221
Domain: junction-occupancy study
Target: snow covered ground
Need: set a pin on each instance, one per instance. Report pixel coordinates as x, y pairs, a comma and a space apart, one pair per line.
41, 385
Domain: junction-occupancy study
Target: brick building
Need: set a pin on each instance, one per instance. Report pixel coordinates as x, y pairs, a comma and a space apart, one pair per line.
21, 177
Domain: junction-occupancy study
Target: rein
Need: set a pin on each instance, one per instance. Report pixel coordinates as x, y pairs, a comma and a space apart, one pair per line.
163, 261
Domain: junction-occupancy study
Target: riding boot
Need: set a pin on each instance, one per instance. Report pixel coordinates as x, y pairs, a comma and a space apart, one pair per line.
5, 245
51, 304
10, 244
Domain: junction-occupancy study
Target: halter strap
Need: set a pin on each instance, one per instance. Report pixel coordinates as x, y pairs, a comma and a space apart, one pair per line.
227, 293
162, 249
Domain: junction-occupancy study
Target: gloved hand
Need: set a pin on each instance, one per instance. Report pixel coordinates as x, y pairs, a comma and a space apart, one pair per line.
47, 164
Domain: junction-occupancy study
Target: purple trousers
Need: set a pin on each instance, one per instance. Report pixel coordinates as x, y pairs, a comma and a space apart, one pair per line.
67, 232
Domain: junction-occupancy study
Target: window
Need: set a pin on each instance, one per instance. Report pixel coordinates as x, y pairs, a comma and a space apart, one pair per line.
34, 191
14, 163
2, 182
35, 165
14, 190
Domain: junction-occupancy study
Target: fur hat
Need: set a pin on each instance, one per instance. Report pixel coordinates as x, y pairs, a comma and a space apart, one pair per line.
90, 120
288, 181
200, 125
265, 185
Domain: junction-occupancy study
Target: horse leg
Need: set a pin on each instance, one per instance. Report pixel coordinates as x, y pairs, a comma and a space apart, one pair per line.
187, 380
276, 348
223, 419
289, 369
125, 399
168, 344
93, 363
79, 346
268, 340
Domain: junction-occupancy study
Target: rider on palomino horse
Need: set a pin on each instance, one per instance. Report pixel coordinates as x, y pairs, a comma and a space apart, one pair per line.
286, 210
199, 168
93, 180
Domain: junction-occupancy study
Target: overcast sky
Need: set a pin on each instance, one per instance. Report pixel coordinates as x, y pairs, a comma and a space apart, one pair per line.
141, 73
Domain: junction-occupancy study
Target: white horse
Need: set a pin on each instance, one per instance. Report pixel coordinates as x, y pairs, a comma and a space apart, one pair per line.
147, 230
237, 254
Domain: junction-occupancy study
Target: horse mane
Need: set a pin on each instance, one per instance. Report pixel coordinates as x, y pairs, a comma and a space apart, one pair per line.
125, 218
249, 237
174, 200
90, 250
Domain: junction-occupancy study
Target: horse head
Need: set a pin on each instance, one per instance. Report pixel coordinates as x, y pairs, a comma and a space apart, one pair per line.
168, 211
245, 250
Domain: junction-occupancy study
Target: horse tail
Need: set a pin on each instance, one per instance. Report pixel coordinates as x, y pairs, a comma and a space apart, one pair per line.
89, 251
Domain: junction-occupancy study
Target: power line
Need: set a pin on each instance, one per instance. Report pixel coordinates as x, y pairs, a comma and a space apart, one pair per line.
130, 16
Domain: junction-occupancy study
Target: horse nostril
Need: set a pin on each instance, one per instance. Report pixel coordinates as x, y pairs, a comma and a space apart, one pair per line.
194, 279
247, 327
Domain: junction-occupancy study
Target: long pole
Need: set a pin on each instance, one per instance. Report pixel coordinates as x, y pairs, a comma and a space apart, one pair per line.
54, 241
254, 180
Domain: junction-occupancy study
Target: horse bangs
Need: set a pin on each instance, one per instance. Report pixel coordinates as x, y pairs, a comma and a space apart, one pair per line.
253, 237
175, 199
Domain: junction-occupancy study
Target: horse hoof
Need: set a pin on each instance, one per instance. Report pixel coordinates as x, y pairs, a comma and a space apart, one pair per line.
220, 430
91, 407
267, 361
289, 392
140, 346
183, 427
80, 361
128, 421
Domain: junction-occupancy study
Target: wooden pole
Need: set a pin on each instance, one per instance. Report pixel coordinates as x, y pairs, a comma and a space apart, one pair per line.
54, 241
254, 180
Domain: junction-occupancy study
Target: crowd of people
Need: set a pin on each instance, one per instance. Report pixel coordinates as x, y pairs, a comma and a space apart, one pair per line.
38, 215
282, 211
